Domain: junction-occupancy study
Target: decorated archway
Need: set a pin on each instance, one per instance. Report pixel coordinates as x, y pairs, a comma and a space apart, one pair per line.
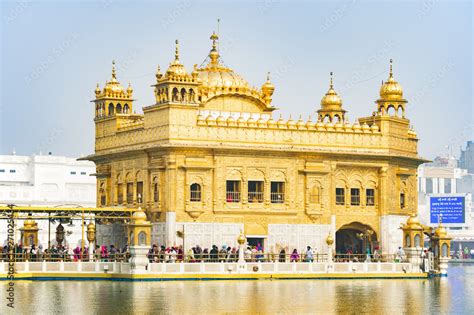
355, 238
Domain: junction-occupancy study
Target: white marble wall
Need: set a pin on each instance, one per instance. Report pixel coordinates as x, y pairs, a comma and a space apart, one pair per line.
391, 235
298, 236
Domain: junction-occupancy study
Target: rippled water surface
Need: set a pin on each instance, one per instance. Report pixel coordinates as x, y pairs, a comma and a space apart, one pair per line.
453, 295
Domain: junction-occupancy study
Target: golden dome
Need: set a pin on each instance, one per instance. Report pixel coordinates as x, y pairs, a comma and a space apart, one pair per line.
391, 89
29, 224
365, 127
271, 123
300, 123
220, 119
261, 122
331, 100
374, 128
241, 120
281, 123
291, 123
210, 120
176, 68
268, 88
139, 216
413, 222
113, 86
310, 125
215, 74
441, 231
230, 121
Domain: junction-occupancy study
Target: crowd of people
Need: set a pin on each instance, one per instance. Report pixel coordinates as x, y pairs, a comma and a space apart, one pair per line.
64, 253
173, 254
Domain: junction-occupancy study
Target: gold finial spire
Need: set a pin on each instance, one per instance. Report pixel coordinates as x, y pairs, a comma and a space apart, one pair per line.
214, 54
330, 82
114, 75
391, 73
176, 53
268, 76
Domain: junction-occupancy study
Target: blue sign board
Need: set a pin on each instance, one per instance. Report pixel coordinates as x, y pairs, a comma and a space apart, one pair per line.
451, 209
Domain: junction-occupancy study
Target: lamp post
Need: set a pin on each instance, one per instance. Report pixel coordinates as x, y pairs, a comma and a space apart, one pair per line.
60, 234
329, 242
91, 239
366, 237
241, 262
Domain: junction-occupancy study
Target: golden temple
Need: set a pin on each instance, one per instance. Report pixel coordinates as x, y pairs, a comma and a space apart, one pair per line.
210, 160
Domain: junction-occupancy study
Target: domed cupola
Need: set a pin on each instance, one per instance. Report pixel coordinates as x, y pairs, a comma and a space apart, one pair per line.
216, 79
391, 100
331, 105
176, 68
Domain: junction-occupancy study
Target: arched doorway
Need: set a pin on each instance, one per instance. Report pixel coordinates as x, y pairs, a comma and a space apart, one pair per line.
356, 238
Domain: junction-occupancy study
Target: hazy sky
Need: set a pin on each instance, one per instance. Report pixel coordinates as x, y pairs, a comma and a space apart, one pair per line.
54, 53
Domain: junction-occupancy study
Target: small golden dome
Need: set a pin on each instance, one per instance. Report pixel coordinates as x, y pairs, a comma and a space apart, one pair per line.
220, 119
261, 122
413, 222
241, 120
251, 122
441, 231
365, 127
310, 125
29, 223
113, 86
391, 89
300, 123
268, 88
281, 123
231, 120
291, 123
139, 216
348, 126
176, 68
320, 125
339, 126
97, 90
331, 99
210, 119
374, 128
271, 123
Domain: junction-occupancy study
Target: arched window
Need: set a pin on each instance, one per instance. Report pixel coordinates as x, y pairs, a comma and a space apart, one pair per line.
191, 95
407, 240
391, 110
175, 96
417, 240
119, 108
195, 191
103, 197
142, 238
183, 94
111, 109
315, 194
336, 118
444, 250
126, 109
400, 111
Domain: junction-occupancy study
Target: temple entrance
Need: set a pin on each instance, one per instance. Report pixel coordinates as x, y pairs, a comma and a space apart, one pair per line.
258, 242
355, 238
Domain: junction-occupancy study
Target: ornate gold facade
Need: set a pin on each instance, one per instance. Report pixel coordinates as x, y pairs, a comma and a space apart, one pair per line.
211, 150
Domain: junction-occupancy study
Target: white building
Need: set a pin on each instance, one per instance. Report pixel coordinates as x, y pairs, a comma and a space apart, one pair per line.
439, 188
47, 180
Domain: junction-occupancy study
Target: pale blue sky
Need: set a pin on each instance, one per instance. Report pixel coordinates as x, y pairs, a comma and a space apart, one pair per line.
54, 53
